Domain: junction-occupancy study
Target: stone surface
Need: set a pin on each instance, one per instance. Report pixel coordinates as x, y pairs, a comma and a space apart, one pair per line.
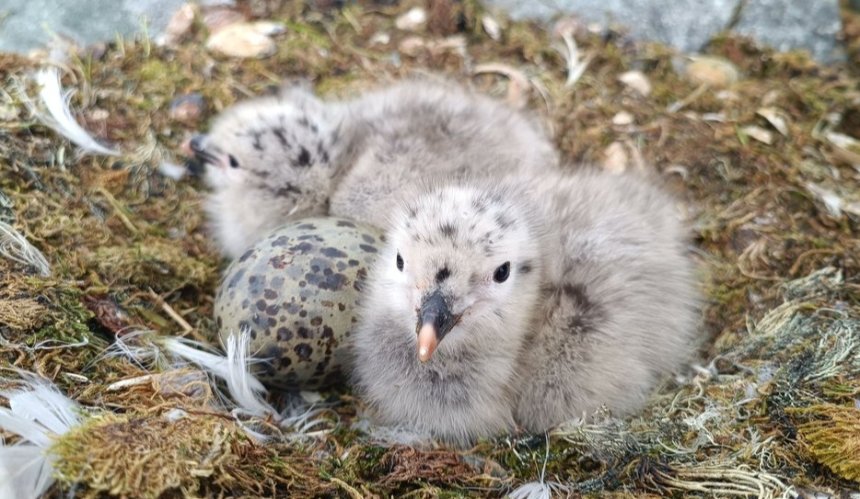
794, 24
688, 24
29, 24
685, 24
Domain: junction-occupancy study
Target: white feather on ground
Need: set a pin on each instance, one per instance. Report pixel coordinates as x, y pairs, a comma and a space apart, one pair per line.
246, 393
56, 114
37, 413
540, 489
14, 246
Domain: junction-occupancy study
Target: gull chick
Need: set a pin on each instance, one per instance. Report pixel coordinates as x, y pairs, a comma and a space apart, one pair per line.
526, 302
267, 160
275, 158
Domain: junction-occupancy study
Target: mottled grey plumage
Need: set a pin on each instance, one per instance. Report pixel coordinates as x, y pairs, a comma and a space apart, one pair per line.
277, 158
598, 303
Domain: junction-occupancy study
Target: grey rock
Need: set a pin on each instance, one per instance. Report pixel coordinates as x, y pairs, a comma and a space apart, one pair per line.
794, 24
689, 24
28, 24
684, 24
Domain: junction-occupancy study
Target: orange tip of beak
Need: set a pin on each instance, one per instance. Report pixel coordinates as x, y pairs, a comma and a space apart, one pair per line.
427, 342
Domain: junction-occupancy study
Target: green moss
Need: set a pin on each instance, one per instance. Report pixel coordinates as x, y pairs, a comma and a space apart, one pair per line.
774, 404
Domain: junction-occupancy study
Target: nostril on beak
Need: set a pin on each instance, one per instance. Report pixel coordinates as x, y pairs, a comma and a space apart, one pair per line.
196, 143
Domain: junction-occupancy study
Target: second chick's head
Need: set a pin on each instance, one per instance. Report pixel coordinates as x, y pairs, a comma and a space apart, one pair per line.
281, 147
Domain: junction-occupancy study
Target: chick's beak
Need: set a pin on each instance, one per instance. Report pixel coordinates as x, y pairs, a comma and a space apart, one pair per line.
434, 322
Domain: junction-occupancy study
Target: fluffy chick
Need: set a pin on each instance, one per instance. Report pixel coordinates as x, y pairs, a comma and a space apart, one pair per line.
269, 159
419, 131
275, 158
529, 302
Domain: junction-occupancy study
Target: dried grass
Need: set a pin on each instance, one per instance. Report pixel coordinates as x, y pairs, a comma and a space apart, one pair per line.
770, 412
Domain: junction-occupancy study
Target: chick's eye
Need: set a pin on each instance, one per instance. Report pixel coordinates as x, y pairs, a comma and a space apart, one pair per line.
399, 262
234, 163
502, 273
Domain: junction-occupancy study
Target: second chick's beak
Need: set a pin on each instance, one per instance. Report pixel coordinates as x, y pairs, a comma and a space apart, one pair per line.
435, 320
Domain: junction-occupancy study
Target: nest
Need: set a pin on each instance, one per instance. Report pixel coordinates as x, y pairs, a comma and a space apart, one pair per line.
766, 167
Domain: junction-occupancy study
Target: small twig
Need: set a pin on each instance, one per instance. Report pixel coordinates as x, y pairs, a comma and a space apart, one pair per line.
795, 268
126, 383
518, 82
689, 99
347, 487
118, 209
186, 327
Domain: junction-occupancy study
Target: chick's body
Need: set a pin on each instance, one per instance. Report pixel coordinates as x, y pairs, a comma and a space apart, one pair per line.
416, 132
272, 159
569, 292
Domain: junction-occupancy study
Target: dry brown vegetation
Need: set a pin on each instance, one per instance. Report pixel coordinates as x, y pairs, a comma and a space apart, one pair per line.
774, 208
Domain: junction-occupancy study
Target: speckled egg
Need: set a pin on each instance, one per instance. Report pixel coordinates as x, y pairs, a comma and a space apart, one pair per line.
297, 292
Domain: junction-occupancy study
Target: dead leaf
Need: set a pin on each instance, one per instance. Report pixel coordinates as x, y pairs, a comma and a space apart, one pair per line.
637, 81
713, 71
758, 133
623, 118
518, 82
776, 119
245, 40
414, 19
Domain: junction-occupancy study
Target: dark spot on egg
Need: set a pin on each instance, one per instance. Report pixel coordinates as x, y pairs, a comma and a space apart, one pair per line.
368, 248
278, 262
302, 248
284, 334
280, 241
234, 280
304, 351
333, 252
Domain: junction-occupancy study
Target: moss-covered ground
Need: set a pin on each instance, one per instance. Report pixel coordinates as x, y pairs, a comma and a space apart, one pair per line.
773, 405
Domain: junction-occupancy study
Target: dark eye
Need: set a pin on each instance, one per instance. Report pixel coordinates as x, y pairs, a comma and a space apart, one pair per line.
399, 262
502, 272
234, 163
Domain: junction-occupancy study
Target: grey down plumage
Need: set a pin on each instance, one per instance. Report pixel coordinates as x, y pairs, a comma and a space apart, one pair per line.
563, 293
509, 293
276, 158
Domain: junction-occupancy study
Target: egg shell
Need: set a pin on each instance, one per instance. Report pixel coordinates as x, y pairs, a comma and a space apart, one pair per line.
296, 291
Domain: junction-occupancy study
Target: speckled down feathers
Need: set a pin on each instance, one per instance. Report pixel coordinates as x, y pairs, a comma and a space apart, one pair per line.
273, 159
600, 305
